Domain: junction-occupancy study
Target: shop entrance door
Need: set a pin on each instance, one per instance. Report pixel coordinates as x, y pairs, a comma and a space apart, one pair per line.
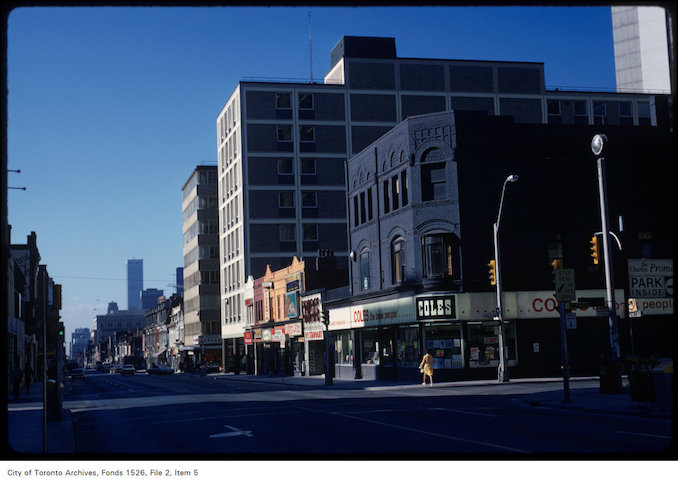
387, 361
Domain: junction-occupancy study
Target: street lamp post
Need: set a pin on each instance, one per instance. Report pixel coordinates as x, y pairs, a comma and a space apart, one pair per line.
597, 144
326, 321
502, 372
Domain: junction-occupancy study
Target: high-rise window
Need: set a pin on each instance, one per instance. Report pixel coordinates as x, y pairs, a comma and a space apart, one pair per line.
307, 133
287, 232
283, 101
581, 114
284, 133
309, 199
310, 232
286, 199
308, 166
285, 166
306, 101
625, 113
599, 113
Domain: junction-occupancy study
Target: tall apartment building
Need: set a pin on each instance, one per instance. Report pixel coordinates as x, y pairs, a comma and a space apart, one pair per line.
641, 48
282, 147
135, 282
202, 326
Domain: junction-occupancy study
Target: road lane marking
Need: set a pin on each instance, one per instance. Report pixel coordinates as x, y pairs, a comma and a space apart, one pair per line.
234, 432
642, 434
444, 436
462, 412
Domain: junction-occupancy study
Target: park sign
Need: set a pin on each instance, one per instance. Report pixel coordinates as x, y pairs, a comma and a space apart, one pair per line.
651, 285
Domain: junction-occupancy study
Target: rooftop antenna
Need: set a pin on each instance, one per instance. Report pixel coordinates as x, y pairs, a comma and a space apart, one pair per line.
310, 45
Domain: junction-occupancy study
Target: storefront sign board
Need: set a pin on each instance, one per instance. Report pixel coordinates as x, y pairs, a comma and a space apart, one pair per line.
543, 304
651, 284
293, 329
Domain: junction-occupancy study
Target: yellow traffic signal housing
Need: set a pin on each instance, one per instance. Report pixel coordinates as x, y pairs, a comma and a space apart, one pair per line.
492, 272
594, 249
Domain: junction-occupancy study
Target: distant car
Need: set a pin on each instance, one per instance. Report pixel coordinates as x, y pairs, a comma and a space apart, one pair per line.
128, 369
160, 369
77, 373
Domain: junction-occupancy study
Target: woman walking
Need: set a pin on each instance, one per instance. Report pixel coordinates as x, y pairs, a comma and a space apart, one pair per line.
426, 367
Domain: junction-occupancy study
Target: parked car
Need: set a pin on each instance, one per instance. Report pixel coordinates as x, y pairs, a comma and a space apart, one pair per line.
128, 369
77, 373
114, 368
160, 369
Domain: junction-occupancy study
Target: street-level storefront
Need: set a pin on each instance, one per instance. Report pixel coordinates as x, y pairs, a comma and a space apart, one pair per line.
387, 339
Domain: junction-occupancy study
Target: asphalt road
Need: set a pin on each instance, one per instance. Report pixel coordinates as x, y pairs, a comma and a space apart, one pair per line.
185, 415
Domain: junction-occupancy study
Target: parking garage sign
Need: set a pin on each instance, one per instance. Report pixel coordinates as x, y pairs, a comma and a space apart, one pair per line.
651, 285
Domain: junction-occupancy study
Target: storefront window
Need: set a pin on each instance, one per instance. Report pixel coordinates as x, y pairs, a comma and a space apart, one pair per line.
343, 347
408, 346
483, 344
444, 343
370, 347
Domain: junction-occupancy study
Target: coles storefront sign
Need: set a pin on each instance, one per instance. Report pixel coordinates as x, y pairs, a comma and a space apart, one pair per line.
543, 304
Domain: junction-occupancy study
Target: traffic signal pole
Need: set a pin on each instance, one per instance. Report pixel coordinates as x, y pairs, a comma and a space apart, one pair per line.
609, 279
597, 144
502, 372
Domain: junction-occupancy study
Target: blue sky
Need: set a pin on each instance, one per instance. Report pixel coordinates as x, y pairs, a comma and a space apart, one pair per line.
110, 109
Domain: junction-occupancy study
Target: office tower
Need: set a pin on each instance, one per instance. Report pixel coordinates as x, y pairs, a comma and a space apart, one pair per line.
135, 283
641, 49
180, 281
149, 298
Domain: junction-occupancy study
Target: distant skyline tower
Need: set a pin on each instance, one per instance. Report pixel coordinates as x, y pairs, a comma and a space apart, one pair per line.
149, 298
135, 282
180, 281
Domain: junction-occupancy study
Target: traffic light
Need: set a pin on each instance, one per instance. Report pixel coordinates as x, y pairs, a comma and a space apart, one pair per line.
594, 249
557, 264
492, 272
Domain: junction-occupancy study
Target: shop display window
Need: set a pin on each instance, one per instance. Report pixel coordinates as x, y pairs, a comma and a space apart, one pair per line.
408, 346
370, 347
343, 347
483, 344
444, 343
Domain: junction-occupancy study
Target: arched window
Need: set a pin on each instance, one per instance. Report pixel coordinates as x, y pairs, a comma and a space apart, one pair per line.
365, 269
433, 175
398, 260
440, 256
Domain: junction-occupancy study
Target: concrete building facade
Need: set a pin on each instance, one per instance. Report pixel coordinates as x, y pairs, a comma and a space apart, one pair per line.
202, 325
642, 48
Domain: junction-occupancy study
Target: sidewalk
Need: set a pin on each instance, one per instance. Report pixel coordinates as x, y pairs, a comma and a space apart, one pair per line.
25, 423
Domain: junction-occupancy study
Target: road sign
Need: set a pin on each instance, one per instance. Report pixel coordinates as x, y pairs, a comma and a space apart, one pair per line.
570, 320
565, 288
